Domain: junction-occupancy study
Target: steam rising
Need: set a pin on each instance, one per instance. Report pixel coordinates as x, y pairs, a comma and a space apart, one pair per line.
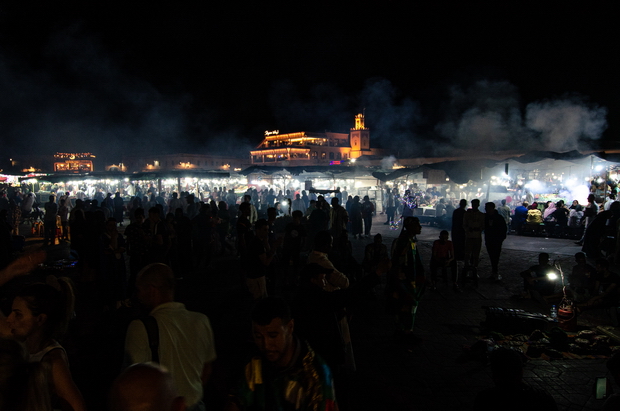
387, 163
564, 124
487, 115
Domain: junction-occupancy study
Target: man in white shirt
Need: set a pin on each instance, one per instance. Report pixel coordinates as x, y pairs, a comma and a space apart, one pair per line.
186, 346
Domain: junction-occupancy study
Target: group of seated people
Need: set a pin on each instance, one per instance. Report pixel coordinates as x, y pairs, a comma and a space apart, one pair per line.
587, 287
556, 219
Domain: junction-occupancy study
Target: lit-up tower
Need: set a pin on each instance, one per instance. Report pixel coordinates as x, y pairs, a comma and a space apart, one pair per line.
360, 138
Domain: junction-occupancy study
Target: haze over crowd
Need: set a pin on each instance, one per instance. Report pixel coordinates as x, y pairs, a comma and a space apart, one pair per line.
81, 94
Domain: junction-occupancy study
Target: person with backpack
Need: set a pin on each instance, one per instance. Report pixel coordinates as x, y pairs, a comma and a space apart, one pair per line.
180, 340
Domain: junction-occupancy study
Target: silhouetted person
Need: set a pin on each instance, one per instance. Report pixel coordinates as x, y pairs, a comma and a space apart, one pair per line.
494, 236
458, 232
49, 221
145, 386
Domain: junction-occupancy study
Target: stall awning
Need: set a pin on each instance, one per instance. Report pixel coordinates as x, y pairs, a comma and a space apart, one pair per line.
170, 174
148, 175
295, 171
460, 172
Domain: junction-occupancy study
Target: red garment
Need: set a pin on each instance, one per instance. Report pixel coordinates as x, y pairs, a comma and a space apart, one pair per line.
443, 251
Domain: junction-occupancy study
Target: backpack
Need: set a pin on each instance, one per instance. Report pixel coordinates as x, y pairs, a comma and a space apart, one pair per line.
152, 330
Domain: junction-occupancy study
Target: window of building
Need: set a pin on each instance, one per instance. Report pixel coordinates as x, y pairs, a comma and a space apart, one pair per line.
323, 155
331, 156
315, 154
338, 156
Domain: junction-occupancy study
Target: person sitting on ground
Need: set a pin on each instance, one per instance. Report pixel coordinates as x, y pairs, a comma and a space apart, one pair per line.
579, 285
539, 280
145, 386
510, 392
560, 215
443, 258
605, 287
520, 216
534, 216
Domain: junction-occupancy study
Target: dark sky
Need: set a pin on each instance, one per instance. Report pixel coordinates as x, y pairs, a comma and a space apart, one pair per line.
116, 78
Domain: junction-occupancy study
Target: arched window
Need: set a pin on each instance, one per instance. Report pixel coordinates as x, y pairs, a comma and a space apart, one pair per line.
331, 156
315, 154
323, 155
338, 156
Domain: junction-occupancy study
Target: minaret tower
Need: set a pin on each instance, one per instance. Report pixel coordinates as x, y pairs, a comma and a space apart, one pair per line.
359, 137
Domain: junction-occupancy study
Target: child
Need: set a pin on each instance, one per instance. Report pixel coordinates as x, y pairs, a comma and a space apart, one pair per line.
443, 258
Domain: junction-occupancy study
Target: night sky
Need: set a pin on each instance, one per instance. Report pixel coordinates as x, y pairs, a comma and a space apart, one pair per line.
116, 78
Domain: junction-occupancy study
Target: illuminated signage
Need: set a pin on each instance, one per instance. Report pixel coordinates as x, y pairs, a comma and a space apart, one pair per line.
334, 163
272, 133
73, 156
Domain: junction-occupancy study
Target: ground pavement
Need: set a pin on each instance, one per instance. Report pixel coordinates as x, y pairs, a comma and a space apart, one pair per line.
429, 375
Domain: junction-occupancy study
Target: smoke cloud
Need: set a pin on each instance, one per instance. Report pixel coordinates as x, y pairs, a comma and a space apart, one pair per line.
79, 99
484, 116
566, 124
393, 119
387, 163
487, 116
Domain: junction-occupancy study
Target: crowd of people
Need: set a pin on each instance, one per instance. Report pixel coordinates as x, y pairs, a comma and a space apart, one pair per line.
300, 248
296, 244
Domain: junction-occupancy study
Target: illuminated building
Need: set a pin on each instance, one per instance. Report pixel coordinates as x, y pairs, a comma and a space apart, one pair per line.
73, 162
307, 148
